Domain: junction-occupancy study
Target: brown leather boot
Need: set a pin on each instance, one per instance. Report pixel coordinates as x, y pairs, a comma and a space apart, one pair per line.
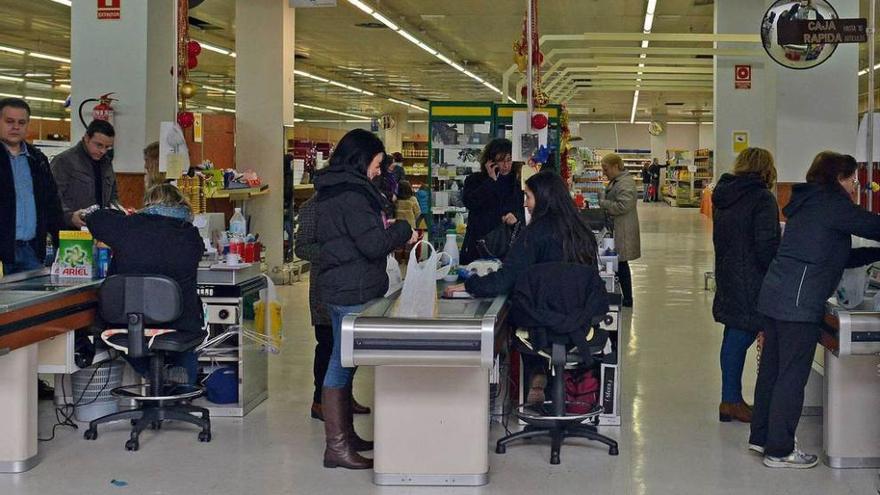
740, 411
536, 389
316, 411
357, 408
357, 442
339, 451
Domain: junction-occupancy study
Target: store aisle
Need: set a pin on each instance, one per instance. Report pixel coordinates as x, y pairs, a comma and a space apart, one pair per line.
671, 441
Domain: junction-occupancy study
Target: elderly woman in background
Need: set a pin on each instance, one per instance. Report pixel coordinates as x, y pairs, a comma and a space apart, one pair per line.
620, 204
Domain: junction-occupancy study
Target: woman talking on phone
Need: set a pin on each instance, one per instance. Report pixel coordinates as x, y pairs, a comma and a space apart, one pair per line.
493, 198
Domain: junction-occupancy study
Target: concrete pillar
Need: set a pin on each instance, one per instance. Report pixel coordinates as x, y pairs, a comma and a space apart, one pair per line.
263, 106
393, 138
659, 143
132, 56
750, 110
793, 113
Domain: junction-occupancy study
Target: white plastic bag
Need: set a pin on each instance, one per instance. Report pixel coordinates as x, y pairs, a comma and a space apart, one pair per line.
851, 290
395, 278
418, 298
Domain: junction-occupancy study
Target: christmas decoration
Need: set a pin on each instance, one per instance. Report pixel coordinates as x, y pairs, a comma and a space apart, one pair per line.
185, 119
187, 89
539, 121
193, 48
192, 62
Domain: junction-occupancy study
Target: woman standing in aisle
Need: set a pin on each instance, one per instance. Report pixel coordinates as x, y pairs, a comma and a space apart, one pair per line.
620, 204
356, 237
746, 237
307, 247
556, 233
816, 248
492, 196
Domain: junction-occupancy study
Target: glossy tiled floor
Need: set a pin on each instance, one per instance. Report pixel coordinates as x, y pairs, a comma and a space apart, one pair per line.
670, 443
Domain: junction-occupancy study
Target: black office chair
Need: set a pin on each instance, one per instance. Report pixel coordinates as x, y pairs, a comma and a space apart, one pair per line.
549, 419
139, 301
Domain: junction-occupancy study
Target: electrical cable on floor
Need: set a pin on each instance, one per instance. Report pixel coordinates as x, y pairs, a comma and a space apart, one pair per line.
64, 413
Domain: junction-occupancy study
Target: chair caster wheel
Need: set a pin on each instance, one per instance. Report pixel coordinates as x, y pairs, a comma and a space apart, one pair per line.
613, 451
205, 436
554, 459
90, 434
500, 449
132, 445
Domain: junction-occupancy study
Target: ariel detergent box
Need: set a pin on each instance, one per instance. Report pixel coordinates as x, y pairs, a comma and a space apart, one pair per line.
74, 258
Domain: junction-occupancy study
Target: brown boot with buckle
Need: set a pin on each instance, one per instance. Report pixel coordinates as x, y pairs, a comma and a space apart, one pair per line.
339, 451
739, 411
357, 408
317, 412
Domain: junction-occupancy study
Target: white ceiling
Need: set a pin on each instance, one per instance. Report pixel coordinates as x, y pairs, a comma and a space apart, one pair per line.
478, 34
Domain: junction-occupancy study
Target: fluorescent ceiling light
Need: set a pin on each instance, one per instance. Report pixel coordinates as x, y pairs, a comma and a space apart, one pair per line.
63, 86
218, 90
216, 49
649, 22
632, 117
39, 98
327, 110
418, 121
334, 83
11, 78
362, 6
865, 71
7, 95
56, 119
652, 7
310, 76
384, 20
11, 50
401, 102
37, 74
49, 57
62, 2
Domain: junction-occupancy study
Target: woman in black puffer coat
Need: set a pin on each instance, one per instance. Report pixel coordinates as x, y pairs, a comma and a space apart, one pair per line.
355, 237
816, 247
746, 236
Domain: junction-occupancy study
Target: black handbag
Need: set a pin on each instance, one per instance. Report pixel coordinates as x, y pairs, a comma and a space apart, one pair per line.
497, 242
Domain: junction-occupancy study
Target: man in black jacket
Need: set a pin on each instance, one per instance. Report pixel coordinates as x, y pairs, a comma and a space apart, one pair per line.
29, 204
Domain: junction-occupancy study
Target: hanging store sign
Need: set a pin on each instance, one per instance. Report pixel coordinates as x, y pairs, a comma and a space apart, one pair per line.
742, 77
801, 34
109, 10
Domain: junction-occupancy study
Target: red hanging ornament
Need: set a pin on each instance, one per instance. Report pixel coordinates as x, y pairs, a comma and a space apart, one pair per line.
193, 48
192, 62
186, 119
539, 121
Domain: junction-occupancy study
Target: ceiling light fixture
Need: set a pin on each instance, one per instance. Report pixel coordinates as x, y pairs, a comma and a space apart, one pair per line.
647, 26
7, 95
11, 78
865, 71
216, 49
408, 36
401, 102
46, 56
11, 50
327, 110
218, 90
334, 83
632, 116
47, 100
62, 2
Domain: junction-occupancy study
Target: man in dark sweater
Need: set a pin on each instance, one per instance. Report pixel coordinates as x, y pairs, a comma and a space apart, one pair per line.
29, 205
84, 173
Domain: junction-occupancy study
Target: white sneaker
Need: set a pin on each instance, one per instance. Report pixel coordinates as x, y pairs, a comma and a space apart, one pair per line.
756, 448
796, 460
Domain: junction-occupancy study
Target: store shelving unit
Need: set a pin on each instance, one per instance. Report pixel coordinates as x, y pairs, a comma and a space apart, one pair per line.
416, 153
458, 133
688, 174
591, 178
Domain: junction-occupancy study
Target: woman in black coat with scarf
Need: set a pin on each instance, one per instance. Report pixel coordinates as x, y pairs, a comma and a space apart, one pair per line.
492, 196
746, 236
815, 249
356, 236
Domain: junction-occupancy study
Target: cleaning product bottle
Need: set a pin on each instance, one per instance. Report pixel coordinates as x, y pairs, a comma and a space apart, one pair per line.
451, 248
238, 224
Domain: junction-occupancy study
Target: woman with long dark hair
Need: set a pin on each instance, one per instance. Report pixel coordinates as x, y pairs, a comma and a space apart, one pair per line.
815, 249
356, 236
492, 196
555, 233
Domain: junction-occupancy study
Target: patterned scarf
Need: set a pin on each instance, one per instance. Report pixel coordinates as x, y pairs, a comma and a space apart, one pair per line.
178, 212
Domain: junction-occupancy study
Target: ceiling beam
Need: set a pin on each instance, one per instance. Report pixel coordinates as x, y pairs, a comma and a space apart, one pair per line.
654, 37
631, 88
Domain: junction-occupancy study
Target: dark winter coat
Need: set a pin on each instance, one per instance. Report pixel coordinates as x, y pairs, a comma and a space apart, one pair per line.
155, 245
49, 216
538, 243
353, 237
74, 172
307, 247
746, 236
815, 249
487, 201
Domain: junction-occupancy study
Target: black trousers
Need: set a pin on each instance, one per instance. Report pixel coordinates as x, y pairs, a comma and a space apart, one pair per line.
786, 361
625, 278
323, 349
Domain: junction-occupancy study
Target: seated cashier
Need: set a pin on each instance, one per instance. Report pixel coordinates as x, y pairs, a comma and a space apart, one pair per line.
160, 239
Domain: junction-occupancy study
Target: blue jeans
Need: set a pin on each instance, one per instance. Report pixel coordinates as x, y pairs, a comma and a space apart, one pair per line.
645, 198
337, 376
734, 347
25, 259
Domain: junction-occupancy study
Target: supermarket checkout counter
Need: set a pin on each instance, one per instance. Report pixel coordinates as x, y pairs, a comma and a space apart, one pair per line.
34, 307
850, 342
431, 414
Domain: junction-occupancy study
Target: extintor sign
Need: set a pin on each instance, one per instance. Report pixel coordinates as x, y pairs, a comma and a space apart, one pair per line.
109, 10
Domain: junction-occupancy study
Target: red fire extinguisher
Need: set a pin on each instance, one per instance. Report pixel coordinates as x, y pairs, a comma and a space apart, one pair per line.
102, 111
